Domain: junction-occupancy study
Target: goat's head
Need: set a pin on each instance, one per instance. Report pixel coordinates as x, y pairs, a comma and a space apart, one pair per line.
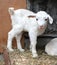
42, 18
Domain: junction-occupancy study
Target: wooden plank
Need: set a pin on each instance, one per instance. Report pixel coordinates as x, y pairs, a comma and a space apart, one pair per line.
6, 57
5, 22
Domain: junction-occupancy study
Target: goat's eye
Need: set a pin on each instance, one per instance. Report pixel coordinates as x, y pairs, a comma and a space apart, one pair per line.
46, 19
36, 19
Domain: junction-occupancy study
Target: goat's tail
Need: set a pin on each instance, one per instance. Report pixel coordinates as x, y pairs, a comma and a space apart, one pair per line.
11, 11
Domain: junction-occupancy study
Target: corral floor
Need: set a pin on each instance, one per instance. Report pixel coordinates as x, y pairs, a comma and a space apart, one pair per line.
25, 58
1, 60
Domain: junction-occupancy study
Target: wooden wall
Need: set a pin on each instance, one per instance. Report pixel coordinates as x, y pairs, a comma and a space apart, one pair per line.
5, 22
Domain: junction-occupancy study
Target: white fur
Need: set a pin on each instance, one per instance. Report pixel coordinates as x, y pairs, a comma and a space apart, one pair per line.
35, 26
51, 47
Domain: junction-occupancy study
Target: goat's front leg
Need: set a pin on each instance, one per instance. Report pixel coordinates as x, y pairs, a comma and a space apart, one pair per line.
18, 39
33, 41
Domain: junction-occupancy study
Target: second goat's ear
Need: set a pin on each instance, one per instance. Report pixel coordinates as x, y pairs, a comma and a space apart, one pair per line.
31, 16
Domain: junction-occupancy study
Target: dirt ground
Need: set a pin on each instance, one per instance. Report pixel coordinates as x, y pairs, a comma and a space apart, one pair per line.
25, 58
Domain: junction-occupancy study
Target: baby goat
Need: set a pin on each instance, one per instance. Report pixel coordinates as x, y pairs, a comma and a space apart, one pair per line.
25, 20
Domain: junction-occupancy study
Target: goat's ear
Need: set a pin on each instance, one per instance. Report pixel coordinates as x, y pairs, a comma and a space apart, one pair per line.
50, 19
31, 16
11, 10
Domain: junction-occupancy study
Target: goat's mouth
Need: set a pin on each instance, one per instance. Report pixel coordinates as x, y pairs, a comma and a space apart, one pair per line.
41, 27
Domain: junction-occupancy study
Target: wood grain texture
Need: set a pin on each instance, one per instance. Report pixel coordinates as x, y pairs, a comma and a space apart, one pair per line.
5, 22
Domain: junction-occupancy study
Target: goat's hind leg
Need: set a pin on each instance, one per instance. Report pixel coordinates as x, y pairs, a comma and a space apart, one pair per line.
11, 35
18, 39
9, 41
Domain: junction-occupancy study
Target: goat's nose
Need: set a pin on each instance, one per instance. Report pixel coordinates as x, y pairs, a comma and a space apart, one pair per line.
41, 27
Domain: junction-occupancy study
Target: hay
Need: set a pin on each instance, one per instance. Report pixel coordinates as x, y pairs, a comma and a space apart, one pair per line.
25, 58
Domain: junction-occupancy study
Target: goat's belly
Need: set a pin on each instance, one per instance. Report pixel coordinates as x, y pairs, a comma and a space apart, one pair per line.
30, 27
26, 28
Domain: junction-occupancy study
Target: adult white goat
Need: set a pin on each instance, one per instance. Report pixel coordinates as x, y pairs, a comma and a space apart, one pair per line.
25, 20
51, 47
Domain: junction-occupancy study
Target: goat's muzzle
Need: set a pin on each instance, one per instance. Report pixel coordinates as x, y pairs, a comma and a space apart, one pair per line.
41, 27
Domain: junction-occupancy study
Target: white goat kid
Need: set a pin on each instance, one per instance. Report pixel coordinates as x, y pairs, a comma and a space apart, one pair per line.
51, 47
25, 20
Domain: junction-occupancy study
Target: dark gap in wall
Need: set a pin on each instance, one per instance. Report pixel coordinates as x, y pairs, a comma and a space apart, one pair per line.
50, 6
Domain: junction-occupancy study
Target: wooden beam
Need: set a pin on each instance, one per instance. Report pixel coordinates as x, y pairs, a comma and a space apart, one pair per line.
48, 36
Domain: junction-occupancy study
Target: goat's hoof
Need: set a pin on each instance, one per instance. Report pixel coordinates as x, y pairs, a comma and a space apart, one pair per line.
11, 50
35, 55
22, 50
